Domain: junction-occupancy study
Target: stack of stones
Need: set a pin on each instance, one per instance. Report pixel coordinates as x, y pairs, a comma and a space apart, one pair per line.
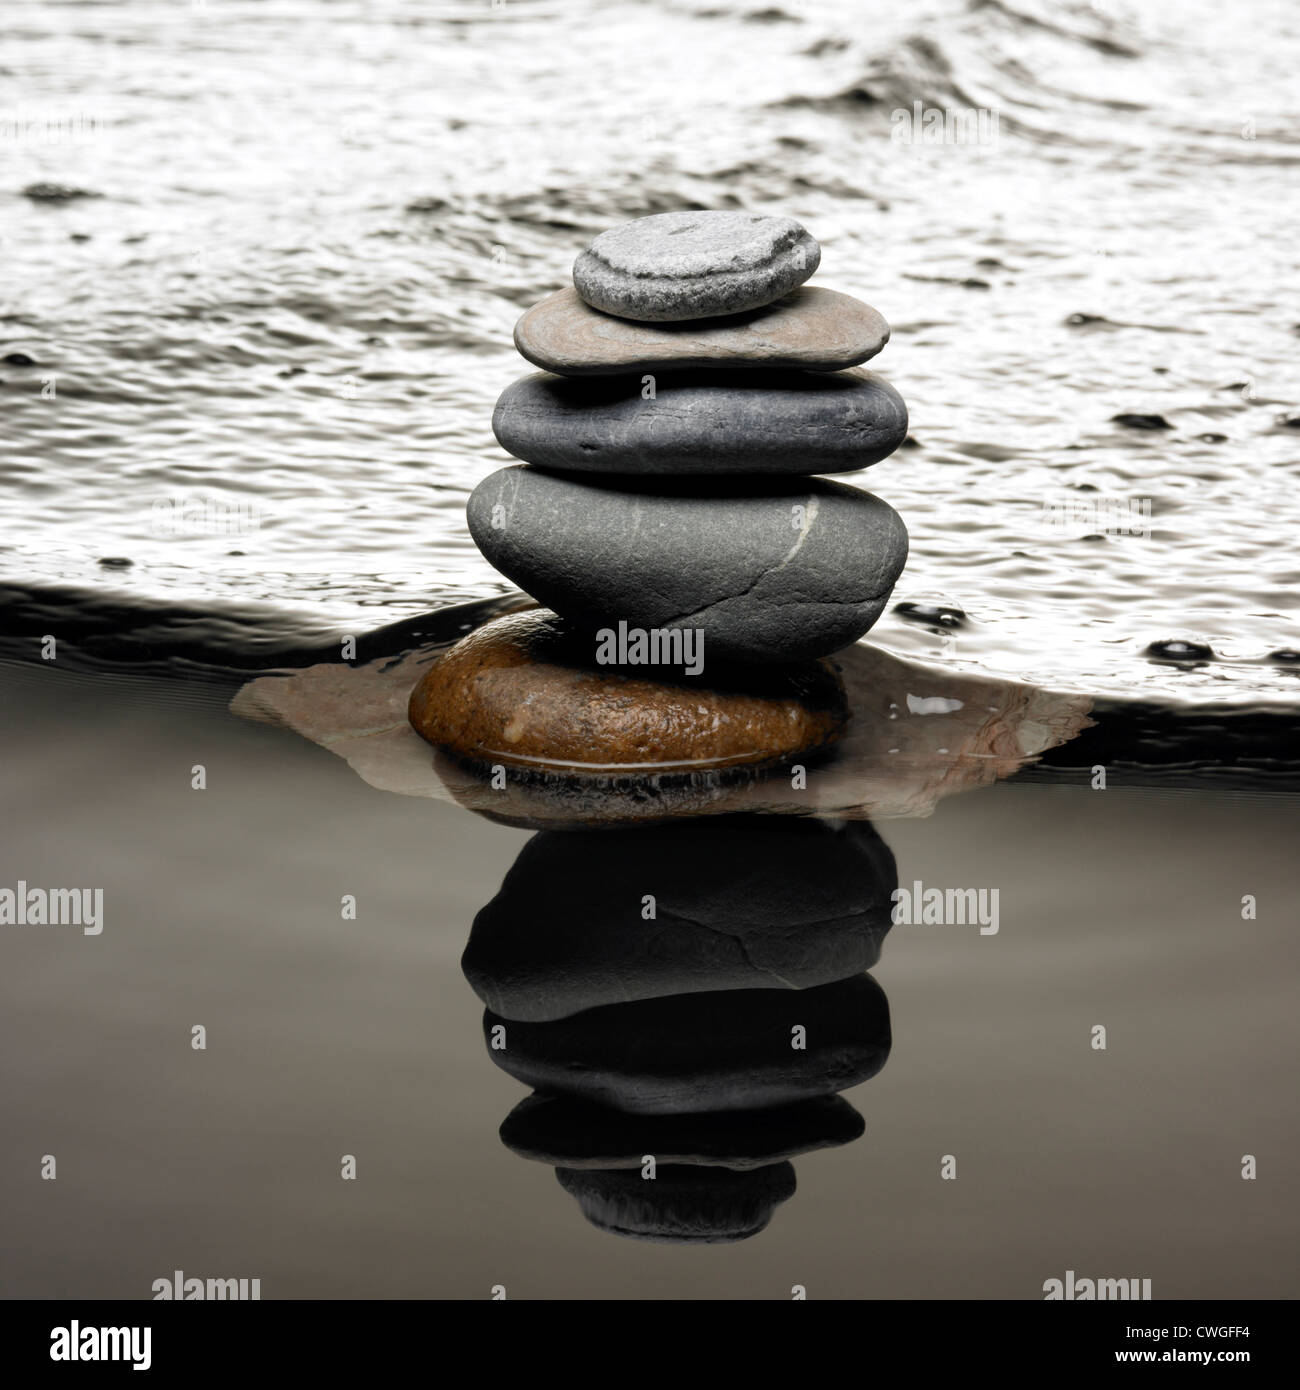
666, 511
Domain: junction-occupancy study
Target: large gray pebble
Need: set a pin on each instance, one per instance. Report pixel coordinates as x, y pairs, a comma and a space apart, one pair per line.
702, 422
769, 571
693, 265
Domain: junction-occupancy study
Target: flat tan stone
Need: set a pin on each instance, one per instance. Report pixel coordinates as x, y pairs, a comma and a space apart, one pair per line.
812, 328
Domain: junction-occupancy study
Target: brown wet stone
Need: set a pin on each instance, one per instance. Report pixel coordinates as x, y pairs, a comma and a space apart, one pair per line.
525, 692
892, 760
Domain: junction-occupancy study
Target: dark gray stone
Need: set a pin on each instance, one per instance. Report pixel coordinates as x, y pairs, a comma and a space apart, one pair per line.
570, 1133
745, 902
694, 265
769, 570
703, 1052
681, 1206
703, 422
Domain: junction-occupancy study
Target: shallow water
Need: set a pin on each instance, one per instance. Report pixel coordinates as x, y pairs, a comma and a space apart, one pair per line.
328, 1037
265, 355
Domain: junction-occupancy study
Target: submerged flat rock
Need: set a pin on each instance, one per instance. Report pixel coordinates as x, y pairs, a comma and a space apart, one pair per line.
702, 422
691, 265
811, 328
767, 570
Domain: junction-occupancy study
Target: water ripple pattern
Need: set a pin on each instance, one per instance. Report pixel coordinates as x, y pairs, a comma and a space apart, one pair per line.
263, 258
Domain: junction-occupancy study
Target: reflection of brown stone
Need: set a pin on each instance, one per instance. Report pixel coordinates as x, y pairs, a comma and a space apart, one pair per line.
525, 691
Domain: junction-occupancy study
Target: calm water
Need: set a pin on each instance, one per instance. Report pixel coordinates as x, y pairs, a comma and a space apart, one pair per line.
328, 1037
288, 309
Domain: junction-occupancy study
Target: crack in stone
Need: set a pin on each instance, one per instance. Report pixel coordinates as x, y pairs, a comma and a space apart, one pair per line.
805, 529
674, 915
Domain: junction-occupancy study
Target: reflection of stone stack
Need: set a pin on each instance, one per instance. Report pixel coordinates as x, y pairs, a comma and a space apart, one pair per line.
691, 994
666, 511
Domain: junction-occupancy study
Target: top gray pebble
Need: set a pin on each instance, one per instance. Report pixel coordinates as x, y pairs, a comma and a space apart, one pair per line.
694, 265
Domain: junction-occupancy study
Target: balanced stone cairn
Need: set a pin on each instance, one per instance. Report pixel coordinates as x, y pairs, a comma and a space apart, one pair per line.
665, 512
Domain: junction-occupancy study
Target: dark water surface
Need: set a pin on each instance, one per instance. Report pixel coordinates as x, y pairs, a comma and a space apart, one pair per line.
328, 1037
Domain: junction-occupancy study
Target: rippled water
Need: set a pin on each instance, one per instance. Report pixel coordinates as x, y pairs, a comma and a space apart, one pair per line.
287, 311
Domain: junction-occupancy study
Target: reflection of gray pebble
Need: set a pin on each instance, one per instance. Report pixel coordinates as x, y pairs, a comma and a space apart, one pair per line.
754, 902
569, 1133
702, 1052
697, 1206
690, 265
